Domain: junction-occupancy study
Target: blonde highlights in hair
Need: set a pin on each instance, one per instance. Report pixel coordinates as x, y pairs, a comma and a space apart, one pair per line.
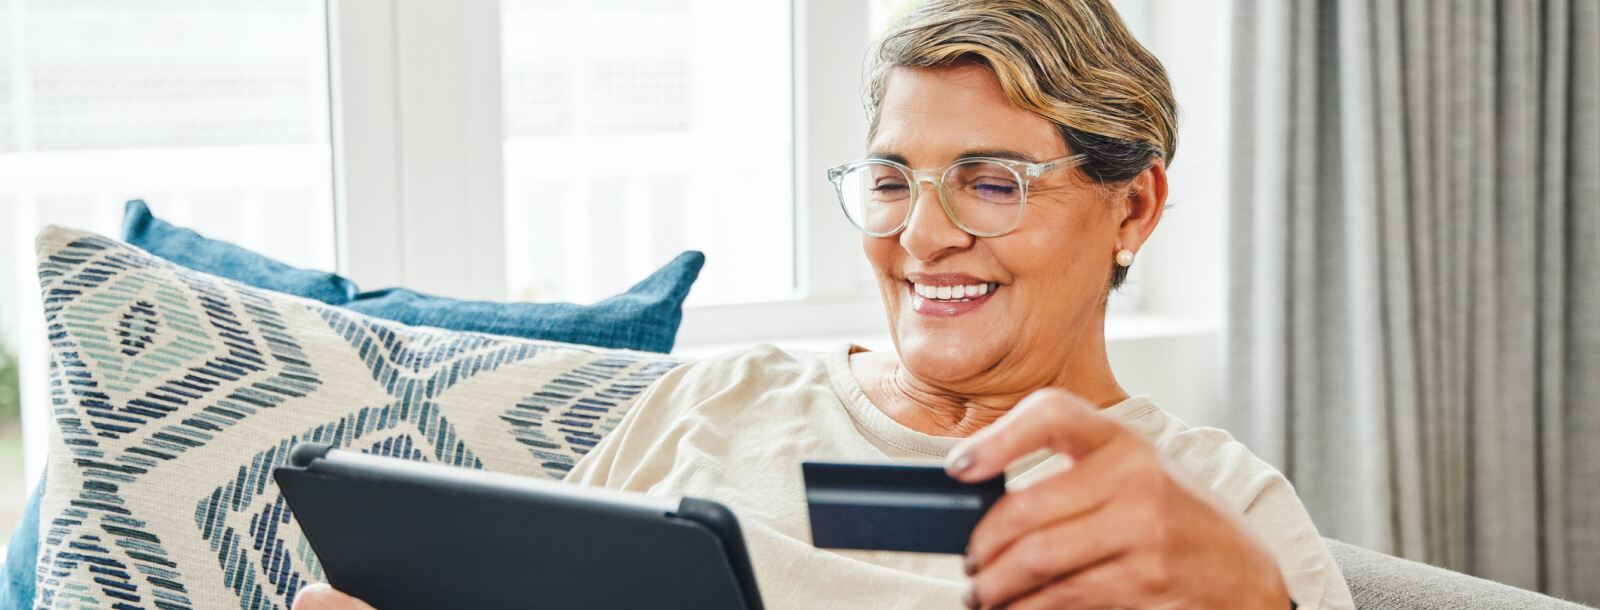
1072, 62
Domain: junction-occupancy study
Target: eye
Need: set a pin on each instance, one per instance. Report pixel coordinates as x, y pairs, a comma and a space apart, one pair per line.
889, 186
996, 190
996, 187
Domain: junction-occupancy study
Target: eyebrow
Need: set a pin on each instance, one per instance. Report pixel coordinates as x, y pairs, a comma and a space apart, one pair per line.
1009, 155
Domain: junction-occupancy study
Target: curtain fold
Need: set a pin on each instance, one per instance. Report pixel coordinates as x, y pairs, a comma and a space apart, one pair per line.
1414, 309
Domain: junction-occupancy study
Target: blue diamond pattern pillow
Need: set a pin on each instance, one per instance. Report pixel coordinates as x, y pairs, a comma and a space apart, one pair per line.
175, 393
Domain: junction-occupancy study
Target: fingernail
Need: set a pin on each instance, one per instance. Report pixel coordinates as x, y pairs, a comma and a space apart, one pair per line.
960, 463
970, 598
971, 565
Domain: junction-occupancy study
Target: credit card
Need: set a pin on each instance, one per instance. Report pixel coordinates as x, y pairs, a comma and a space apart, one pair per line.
894, 507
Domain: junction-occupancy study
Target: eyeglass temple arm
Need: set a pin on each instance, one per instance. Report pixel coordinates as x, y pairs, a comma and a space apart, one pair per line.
1040, 169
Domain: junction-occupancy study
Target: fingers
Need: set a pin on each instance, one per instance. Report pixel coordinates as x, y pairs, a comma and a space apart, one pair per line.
319, 596
1086, 486
1094, 587
1046, 418
1060, 550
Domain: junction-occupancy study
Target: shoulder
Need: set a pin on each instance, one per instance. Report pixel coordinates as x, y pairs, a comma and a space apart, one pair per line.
753, 368
743, 395
732, 381
763, 357
1209, 455
1257, 492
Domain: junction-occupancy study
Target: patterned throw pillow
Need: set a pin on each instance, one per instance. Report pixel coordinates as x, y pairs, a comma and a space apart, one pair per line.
175, 393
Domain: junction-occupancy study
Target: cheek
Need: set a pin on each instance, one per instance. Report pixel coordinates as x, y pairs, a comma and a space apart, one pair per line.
881, 252
1067, 256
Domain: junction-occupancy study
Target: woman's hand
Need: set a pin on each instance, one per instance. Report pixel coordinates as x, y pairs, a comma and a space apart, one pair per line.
319, 596
1119, 529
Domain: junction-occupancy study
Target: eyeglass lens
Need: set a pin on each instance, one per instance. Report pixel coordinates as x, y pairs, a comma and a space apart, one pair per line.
984, 197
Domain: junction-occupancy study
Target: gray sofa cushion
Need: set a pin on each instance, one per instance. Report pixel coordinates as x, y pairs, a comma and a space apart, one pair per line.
1379, 581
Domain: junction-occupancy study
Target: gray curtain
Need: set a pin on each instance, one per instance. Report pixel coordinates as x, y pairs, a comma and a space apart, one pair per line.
1414, 315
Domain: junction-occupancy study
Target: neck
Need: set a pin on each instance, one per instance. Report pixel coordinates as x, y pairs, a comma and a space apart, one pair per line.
961, 408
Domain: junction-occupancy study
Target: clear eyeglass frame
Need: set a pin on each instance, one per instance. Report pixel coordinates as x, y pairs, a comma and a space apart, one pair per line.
1022, 171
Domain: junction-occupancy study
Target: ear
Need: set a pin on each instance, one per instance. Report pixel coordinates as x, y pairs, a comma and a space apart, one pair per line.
1140, 209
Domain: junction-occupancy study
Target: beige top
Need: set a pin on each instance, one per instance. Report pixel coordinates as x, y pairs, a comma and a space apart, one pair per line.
735, 429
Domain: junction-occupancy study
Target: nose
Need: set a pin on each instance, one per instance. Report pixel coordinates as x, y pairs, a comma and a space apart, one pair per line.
930, 233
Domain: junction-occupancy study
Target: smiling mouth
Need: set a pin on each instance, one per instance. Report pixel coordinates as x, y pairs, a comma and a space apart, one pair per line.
954, 294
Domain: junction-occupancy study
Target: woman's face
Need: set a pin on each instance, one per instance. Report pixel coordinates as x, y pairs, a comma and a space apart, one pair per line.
1046, 278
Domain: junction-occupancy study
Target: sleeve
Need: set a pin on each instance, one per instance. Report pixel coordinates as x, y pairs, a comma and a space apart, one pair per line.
1271, 509
1314, 579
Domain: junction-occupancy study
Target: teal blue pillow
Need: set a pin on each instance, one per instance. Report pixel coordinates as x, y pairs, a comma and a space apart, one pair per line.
644, 318
17, 582
192, 250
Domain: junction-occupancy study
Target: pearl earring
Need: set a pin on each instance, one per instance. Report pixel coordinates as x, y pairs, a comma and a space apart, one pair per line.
1125, 257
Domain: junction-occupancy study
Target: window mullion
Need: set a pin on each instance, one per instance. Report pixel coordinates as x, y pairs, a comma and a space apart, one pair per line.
362, 73
831, 38
419, 141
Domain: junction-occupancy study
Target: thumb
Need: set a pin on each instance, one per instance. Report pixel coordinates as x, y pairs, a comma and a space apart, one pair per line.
319, 596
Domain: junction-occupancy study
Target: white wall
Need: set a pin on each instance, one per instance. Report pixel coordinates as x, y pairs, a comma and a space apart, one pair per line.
1183, 279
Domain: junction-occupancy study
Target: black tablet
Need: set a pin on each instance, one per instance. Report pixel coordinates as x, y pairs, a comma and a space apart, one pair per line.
404, 535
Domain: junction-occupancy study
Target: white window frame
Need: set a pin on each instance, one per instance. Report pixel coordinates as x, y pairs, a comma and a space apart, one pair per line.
413, 129
415, 93
417, 121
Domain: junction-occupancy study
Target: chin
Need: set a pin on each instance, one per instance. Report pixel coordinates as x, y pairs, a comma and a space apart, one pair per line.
944, 357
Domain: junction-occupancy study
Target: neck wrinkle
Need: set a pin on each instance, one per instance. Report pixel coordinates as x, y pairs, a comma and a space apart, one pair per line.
933, 410
930, 409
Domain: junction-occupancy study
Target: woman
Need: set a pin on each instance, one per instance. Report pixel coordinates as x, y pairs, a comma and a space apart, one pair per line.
1017, 163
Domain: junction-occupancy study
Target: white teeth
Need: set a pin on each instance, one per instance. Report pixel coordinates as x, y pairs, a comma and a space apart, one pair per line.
950, 293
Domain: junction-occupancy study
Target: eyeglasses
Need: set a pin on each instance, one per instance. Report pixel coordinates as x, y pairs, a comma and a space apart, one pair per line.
983, 196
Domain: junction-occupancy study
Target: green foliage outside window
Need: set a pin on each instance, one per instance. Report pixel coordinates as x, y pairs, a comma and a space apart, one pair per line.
10, 390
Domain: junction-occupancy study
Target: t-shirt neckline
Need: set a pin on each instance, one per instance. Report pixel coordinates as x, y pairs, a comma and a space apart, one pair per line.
874, 419
897, 435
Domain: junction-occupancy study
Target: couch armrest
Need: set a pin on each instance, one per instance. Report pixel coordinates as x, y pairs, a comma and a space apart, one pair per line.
1379, 581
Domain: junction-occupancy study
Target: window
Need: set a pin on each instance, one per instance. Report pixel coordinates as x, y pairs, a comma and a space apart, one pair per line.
524, 149
657, 126
215, 113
